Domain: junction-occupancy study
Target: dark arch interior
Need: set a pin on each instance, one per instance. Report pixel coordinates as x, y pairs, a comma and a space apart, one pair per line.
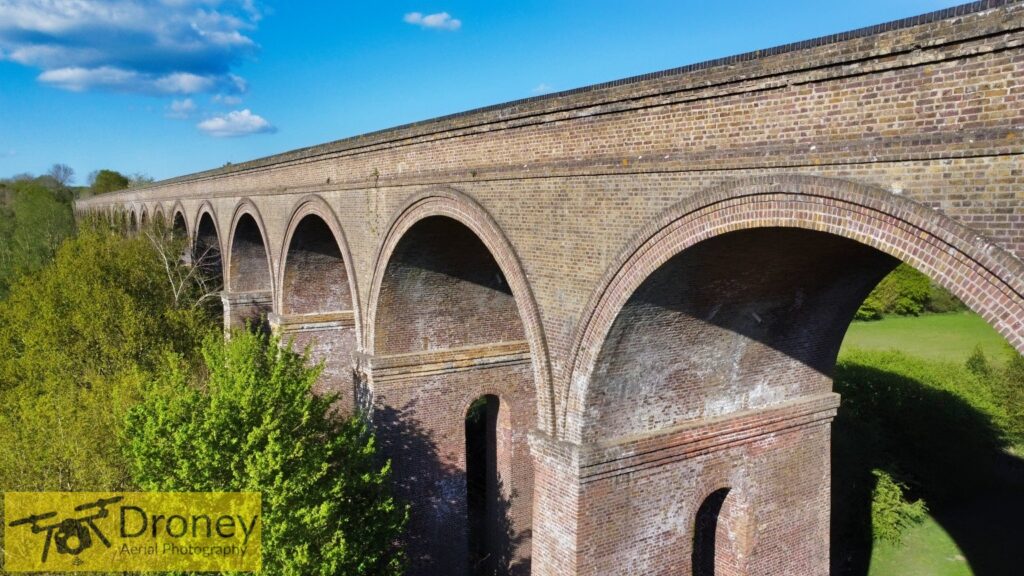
206, 251
315, 277
249, 269
131, 220
740, 321
443, 289
144, 218
179, 228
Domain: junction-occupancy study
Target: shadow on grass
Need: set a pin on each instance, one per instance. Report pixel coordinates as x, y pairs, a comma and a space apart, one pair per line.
944, 450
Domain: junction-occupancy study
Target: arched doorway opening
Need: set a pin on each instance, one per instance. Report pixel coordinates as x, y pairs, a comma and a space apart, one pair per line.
488, 451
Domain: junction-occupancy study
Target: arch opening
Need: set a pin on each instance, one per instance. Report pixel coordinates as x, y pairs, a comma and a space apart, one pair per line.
206, 253
178, 228
726, 334
443, 289
315, 276
249, 268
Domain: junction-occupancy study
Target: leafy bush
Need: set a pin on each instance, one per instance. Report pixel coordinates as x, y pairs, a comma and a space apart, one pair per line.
891, 513
1010, 391
253, 425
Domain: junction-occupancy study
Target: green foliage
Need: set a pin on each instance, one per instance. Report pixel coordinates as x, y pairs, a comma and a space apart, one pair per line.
33, 222
108, 181
253, 425
906, 292
891, 513
1010, 391
978, 364
909, 431
77, 339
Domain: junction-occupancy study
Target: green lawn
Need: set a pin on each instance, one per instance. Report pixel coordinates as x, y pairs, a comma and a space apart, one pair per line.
949, 337
926, 550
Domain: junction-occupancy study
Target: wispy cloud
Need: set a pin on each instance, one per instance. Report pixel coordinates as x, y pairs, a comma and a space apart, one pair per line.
175, 47
236, 123
227, 100
8, 153
542, 88
181, 109
439, 21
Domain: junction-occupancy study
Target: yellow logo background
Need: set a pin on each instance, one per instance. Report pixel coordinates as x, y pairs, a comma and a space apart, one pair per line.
146, 531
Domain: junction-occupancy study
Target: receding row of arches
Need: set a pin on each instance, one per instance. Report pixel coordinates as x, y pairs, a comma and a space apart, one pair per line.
733, 301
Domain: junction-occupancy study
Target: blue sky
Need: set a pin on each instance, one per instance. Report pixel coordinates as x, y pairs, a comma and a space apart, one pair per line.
168, 87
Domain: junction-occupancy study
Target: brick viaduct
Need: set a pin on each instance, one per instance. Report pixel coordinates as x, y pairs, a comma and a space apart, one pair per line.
648, 279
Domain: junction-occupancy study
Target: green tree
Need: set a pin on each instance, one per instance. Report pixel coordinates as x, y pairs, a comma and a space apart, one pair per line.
254, 425
108, 181
33, 222
77, 339
906, 292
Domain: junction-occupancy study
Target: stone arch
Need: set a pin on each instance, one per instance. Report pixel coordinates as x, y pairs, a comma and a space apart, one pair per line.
133, 219
179, 223
207, 244
317, 302
248, 264
988, 279
143, 216
159, 218
445, 203
451, 319
315, 245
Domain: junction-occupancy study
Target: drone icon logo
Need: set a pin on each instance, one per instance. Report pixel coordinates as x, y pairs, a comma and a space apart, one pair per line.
72, 535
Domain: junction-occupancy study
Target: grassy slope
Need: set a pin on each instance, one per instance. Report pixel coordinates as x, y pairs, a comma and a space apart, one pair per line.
927, 550
948, 337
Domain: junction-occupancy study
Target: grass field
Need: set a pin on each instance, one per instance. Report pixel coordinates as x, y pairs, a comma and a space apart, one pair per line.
948, 337
927, 549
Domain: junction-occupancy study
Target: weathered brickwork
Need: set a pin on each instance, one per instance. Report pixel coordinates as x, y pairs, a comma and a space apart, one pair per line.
650, 277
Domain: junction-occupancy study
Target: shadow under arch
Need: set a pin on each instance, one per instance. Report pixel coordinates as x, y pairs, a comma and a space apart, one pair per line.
179, 221
449, 203
207, 246
248, 264
307, 211
985, 277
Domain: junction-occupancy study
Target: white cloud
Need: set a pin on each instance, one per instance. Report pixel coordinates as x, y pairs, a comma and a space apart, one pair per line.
542, 88
181, 109
236, 123
147, 46
439, 21
227, 100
